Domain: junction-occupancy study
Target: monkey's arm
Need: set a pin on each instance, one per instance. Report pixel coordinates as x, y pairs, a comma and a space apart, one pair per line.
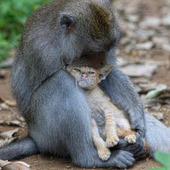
119, 88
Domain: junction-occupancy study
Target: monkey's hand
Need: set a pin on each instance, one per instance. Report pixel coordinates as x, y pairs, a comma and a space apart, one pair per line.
137, 149
137, 121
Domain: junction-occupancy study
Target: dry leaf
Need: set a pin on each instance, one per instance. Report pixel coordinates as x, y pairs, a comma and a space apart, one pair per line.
14, 123
154, 93
145, 46
6, 141
150, 22
7, 63
2, 74
10, 102
139, 70
9, 134
19, 165
159, 116
4, 106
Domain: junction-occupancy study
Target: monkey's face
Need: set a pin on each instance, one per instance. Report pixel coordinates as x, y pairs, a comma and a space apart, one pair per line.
89, 29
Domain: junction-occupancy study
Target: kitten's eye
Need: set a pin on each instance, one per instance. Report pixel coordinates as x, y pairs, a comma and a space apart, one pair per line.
77, 70
91, 72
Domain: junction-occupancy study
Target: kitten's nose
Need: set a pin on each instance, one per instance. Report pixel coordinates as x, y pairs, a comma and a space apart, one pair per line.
84, 75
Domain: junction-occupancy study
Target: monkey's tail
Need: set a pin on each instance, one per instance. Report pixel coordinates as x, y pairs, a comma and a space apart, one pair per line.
19, 149
157, 135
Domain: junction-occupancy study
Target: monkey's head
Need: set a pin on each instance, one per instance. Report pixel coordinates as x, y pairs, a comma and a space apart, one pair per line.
88, 28
69, 29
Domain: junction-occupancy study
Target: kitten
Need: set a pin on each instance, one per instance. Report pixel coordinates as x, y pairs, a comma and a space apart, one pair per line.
115, 121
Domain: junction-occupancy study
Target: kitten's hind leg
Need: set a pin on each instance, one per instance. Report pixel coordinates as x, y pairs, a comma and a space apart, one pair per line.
128, 134
124, 129
103, 152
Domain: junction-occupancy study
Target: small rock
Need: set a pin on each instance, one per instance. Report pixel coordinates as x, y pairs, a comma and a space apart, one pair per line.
150, 22
7, 63
2, 74
160, 40
159, 116
145, 46
166, 47
133, 18
139, 70
4, 106
166, 20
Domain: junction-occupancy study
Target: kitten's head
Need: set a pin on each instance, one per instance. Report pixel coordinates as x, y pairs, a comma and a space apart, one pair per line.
88, 77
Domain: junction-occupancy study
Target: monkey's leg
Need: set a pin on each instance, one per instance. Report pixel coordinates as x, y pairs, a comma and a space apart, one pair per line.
121, 91
157, 135
19, 149
62, 124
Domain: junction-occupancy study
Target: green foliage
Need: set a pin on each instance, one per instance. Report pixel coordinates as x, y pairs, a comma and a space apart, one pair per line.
164, 159
13, 14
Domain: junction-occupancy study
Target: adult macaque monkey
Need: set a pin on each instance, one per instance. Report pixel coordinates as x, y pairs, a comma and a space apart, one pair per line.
55, 109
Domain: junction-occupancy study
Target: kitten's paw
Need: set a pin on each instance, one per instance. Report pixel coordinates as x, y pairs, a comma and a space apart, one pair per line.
104, 154
130, 139
110, 142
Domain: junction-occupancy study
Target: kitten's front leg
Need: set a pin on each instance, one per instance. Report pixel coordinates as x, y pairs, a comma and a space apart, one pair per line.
103, 152
110, 129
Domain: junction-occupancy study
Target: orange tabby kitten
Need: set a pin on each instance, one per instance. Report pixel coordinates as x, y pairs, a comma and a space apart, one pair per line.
116, 123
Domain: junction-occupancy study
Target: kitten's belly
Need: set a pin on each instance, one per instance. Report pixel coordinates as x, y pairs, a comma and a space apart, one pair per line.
100, 120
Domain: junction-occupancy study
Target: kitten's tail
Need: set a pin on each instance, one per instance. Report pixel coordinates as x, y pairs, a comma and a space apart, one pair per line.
19, 149
157, 135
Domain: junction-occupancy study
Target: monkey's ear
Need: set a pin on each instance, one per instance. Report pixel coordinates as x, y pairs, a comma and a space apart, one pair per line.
68, 22
103, 72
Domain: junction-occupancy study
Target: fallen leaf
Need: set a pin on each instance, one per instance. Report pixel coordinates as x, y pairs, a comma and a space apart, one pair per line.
147, 87
14, 123
19, 165
4, 106
10, 102
6, 141
139, 70
144, 46
150, 22
166, 20
1, 100
154, 93
7, 63
2, 74
9, 134
159, 116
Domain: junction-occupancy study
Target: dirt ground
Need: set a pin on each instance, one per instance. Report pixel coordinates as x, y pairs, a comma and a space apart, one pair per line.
161, 75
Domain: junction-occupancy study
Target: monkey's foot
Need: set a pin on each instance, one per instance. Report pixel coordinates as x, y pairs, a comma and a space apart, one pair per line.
130, 139
104, 154
110, 142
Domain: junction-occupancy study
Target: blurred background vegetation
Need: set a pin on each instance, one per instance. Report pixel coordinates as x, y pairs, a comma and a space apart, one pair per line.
13, 14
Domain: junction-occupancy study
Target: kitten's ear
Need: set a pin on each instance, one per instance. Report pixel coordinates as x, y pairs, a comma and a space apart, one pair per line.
103, 72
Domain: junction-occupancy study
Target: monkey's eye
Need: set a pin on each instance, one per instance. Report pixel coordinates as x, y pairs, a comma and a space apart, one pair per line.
77, 70
91, 72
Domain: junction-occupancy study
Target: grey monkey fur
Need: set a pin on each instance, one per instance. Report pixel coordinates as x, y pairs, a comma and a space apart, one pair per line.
55, 109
